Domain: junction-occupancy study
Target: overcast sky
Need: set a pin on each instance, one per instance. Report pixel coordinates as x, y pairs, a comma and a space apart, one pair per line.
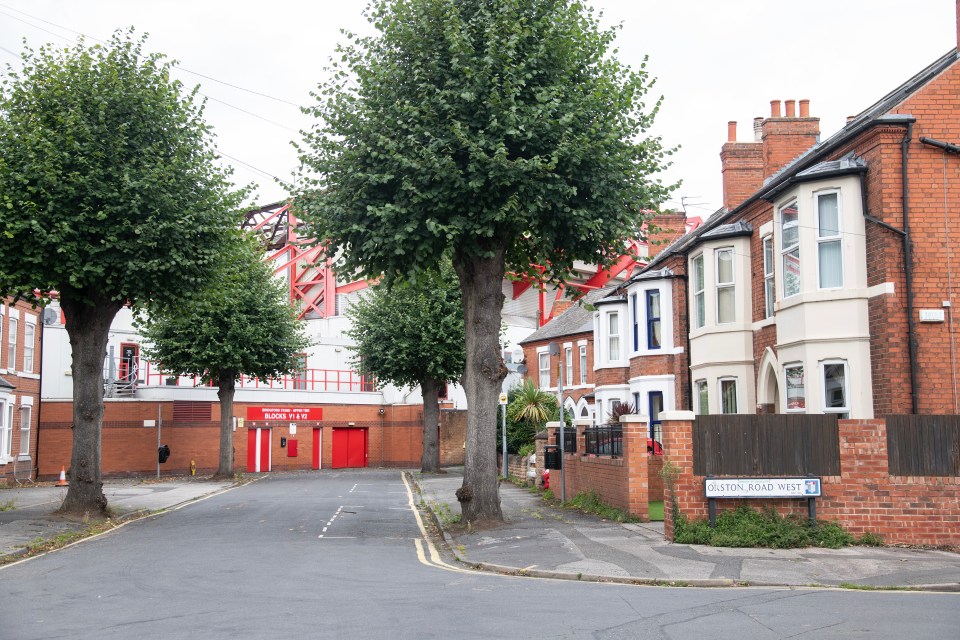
715, 60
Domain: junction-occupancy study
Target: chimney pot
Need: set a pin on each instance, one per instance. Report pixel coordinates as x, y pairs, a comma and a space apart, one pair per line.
757, 129
732, 131
804, 108
850, 118
791, 108
775, 106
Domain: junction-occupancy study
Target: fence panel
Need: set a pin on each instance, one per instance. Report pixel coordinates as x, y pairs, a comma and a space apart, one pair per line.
923, 445
766, 445
604, 440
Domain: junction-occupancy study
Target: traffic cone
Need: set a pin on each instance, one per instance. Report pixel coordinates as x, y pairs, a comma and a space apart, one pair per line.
62, 482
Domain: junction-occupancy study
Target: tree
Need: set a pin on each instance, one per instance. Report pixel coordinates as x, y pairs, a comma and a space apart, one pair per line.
529, 408
110, 195
498, 132
411, 333
239, 323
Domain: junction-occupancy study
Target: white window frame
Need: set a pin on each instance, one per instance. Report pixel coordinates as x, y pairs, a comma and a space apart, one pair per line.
29, 339
6, 429
544, 356
26, 411
583, 364
837, 238
846, 386
12, 327
3, 343
786, 386
724, 286
568, 363
786, 250
699, 295
736, 393
769, 281
698, 387
613, 335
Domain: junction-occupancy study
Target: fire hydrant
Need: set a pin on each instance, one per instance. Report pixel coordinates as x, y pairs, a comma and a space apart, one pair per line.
545, 478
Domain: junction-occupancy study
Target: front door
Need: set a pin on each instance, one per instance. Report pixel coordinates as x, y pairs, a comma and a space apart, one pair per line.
258, 450
349, 448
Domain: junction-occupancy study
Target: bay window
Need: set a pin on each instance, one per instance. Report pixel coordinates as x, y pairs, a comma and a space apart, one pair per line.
769, 295
699, 303
653, 319
829, 246
726, 291
728, 395
790, 249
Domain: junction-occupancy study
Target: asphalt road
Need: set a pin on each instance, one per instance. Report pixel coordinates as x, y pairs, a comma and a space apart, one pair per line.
340, 555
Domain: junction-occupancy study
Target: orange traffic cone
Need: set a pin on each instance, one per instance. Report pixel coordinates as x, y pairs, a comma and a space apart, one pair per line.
62, 482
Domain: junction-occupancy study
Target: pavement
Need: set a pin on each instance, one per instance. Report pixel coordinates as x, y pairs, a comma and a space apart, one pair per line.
26, 513
541, 540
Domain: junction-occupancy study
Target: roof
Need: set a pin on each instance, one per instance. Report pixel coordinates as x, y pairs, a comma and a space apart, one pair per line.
738, 228
811, 165
6, 385
576, 319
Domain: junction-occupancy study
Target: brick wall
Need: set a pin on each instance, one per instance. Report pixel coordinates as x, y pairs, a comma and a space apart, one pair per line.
453, 436
863, 498
619, 482
26, 389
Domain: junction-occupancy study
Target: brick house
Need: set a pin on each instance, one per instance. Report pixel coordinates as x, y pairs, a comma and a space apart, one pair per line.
826, 283
20, 346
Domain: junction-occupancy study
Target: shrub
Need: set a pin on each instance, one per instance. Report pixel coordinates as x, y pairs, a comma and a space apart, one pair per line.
746, 527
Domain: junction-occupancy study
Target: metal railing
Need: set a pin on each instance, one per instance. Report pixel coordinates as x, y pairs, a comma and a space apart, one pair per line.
569, 439
125, 380
604, 440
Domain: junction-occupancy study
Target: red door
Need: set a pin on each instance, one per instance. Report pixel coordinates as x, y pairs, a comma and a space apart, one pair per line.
258, 450
349, 448
315, 462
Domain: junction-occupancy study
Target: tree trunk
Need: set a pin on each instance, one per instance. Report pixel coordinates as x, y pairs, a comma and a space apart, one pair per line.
88, 327
430, 461
480, 285
227, 384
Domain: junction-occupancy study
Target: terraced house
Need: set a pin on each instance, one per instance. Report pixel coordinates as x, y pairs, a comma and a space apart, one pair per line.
20, 345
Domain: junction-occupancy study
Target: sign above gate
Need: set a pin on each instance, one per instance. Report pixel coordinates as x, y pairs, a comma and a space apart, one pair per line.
285, 414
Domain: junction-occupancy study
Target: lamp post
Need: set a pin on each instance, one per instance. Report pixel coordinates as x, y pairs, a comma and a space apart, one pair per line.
554, 349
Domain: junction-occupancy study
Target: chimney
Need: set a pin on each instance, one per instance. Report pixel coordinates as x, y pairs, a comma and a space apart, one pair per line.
742, 166
663, 229
786, 138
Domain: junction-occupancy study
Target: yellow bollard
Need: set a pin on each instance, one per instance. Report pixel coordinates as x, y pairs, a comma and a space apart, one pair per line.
193, 467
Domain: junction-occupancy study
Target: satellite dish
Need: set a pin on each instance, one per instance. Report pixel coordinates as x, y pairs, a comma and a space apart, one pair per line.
50, 316
516, 355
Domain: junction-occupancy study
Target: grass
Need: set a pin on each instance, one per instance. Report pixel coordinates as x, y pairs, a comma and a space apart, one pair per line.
43, 545
870, 587
745, 527
9, 505
655, 510
444, 513
590, 502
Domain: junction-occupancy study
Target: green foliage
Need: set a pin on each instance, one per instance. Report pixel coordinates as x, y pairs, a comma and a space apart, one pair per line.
408, 331
528, 410
746, 527
109, 180
526, 450
240, 323
620, 409
870, 540
590, 502
471, 125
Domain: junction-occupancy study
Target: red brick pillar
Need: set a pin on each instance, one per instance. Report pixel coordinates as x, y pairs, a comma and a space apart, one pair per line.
635, 432
677, 453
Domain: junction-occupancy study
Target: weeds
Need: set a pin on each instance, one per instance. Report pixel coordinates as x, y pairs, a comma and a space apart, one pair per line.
591, 503
9, 505
745, 527
444, 514
870, 540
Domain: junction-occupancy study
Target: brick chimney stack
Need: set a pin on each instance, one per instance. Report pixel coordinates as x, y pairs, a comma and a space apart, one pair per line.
777, 141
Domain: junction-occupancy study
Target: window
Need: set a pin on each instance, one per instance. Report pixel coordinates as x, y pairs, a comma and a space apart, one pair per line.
790, 249
583, 364
613, 336
726, 293
12, 344
25, 430
544, 362
3, 318
568, 363
699, 308
728, 395
835, 388
6, 429
702, 397
796, 396
656, 406
653, 319
829, 247
29, 333
636, 322
769, 296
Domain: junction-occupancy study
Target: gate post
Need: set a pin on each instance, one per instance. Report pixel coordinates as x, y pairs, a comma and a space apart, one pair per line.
678, 453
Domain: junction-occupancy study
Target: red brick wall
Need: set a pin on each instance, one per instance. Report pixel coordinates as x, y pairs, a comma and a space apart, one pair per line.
453, 436
619, 482
864, 498
394, 439
25, 386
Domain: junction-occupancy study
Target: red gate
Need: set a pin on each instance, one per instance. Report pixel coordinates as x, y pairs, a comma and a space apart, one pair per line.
349, 448
258, 450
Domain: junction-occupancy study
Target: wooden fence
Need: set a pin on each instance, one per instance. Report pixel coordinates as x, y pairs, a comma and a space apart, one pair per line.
923, 445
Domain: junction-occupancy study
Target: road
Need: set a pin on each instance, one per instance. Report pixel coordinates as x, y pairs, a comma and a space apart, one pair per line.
339, 554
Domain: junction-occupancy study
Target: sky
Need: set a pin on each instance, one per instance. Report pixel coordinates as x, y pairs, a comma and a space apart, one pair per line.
714, 60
